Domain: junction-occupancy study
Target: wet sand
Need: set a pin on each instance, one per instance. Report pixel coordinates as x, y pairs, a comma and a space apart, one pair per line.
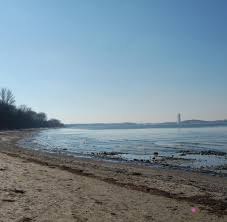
37, 186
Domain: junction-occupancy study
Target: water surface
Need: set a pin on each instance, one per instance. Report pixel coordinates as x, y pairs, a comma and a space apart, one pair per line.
137, 144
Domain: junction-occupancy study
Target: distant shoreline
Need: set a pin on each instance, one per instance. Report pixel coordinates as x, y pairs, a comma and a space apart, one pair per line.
184, 124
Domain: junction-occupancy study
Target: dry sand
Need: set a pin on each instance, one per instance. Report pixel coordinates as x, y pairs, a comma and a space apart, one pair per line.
36, 186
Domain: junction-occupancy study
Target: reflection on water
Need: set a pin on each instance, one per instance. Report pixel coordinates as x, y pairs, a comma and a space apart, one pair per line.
137, 143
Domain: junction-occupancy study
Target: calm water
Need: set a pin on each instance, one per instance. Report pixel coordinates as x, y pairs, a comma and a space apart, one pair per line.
136, 143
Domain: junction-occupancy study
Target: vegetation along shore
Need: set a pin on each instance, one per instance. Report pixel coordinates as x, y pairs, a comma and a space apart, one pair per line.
21, 117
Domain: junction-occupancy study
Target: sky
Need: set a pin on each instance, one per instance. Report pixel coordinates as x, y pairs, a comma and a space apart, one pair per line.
87, 61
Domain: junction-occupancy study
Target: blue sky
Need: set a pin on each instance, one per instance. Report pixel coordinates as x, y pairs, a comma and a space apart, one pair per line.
116, 60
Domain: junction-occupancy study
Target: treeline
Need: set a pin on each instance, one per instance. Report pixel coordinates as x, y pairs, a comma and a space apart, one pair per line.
22, 117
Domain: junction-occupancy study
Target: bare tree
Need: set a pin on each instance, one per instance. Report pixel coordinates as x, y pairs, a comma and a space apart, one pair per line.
12, 117
7, 97
42, 117
24, 108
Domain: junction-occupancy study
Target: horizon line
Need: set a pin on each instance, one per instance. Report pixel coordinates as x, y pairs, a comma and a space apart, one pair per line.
146, 122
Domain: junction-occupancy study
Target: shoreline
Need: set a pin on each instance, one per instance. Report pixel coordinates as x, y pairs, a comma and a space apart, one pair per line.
183, 160
182, 189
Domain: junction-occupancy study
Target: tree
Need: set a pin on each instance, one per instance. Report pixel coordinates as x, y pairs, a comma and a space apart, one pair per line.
7, 97
24, 108
12, 117
42, 117
54, 123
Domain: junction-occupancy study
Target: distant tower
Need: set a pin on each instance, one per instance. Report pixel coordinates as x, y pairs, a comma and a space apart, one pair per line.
178, 119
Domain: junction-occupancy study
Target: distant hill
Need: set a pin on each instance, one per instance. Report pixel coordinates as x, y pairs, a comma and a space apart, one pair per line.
203, 122
128, 125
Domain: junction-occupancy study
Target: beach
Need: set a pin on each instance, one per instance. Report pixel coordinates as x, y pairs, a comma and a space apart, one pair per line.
39, 186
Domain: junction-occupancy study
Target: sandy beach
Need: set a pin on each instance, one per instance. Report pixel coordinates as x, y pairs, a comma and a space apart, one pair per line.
37, 186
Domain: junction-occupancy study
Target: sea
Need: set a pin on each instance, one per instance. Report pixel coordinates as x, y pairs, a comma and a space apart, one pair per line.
199, 147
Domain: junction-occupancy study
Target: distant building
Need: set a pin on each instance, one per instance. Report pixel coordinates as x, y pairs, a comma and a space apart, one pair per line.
178, 119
